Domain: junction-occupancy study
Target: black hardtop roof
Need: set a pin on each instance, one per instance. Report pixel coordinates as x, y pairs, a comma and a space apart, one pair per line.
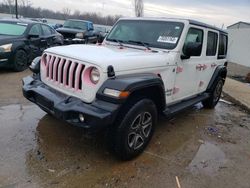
194, 22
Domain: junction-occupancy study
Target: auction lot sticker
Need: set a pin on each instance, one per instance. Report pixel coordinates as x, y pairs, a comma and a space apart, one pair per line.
167, 39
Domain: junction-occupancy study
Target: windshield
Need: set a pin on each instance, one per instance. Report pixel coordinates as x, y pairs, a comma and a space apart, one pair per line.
14, 29
157, 34
75, 25
100, 29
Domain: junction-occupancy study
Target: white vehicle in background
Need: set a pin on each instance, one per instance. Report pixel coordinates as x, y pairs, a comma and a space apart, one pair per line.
144, 67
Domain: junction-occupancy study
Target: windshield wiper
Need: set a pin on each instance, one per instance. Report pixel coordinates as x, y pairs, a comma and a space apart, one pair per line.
120, 42
146, 45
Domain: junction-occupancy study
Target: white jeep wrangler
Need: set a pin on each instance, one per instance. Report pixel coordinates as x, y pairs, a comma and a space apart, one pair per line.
144, 67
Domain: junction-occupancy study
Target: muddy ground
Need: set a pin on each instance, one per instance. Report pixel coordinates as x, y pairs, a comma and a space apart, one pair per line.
203, 148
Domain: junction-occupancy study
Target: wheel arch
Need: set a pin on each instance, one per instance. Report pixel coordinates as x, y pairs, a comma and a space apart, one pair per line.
139, 86
220, 72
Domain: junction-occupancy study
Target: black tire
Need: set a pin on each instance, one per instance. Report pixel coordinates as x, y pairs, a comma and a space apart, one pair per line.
20, 61
134, 129
215, 94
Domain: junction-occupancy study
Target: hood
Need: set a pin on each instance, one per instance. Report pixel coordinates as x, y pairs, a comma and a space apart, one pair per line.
5, 39
121, 59
69, 30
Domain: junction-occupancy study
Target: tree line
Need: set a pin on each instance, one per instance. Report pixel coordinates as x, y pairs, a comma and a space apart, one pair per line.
26, 10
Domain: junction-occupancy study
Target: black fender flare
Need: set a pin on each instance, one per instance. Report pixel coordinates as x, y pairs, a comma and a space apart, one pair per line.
220, 71
133, 83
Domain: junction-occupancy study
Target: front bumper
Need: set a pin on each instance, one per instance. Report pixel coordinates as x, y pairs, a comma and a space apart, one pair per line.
74, 41
98, 115
5, 59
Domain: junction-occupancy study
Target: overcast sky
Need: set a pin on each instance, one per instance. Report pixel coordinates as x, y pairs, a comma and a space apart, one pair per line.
215, 12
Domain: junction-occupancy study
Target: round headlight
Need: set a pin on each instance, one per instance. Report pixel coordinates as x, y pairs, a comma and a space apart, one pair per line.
94, 75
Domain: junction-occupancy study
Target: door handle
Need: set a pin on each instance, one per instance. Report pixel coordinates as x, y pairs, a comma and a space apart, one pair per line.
199, 67
204, 67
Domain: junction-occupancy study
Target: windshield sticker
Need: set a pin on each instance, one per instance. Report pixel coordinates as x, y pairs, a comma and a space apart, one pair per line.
166, 39
177, 27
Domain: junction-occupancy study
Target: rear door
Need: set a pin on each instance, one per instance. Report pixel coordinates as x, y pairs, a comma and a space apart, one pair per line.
209, 62
35, 34
48, 37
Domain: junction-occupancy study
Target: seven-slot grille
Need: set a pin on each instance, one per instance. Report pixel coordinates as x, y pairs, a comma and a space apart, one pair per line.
63, 71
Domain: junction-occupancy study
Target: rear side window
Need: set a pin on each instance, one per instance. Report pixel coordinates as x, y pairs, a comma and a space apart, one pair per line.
35, 30
46, 30
222, 46
212, 40
194, 36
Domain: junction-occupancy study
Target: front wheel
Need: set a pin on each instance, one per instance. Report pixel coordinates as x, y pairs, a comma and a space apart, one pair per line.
20, 61
134, 130
215, 95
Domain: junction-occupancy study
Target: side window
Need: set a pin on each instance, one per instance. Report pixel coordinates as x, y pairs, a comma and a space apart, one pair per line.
35, 30
222, 46
212, 40
91, 27
52, 30
46, 30
195, 39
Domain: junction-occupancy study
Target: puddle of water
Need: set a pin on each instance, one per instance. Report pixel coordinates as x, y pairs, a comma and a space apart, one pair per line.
208, 160
17, 136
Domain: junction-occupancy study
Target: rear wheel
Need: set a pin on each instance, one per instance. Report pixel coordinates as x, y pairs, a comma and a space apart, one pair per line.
20, 61
215, 95
134, 129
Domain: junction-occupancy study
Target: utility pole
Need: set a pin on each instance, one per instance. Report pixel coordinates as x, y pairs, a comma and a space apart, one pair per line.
139, 8
16, 9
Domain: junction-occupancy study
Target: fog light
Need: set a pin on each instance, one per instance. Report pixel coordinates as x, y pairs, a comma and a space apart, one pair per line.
81, 118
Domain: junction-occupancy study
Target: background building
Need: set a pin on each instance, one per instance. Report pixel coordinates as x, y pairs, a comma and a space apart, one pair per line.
239, 43
239, 48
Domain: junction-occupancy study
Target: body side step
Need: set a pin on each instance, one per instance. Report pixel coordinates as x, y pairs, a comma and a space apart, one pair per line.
173, 109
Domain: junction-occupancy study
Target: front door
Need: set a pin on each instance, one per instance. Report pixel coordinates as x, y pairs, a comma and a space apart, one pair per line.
187, 71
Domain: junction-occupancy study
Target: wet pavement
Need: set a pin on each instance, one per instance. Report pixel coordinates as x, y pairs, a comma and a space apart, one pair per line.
203, 148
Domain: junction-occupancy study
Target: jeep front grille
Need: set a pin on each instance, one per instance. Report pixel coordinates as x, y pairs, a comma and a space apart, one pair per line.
63, 71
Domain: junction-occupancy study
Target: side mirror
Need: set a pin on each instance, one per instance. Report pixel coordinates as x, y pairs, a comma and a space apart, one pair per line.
192, 49
30, 36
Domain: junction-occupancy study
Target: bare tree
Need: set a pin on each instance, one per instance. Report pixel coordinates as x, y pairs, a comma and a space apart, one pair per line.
139, 8
25, 3
10, 4
66, 13
24, 6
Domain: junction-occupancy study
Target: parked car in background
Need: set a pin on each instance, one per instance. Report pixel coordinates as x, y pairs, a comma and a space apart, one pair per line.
55, 25
42, 20
101, 32
23, 40
78, 32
